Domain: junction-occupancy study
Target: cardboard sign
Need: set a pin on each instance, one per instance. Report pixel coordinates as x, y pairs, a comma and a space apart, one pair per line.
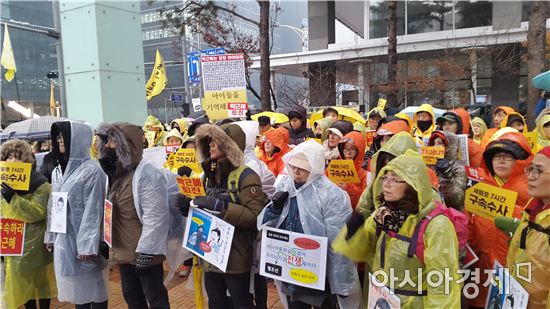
237, 110
108, 223
16, 174
504, 290
191, 187
295, 258
170, 161
370, 134
533, 139
208, 237
430, 154
58, 216
464, 151
342, 171
150, 136
381, 103
187, 157
12, 237
169, 149
490, 201
380, 295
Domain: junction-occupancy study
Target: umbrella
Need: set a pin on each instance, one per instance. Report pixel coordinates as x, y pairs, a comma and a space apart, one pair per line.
542, 81
276, 118
34, 129
411, 110
343, 114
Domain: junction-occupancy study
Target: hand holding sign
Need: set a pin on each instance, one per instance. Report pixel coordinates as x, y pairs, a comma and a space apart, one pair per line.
489, 201
16, 174
342, 171
430, 154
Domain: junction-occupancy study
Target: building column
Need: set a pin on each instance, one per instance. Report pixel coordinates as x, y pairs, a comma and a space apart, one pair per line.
103, 61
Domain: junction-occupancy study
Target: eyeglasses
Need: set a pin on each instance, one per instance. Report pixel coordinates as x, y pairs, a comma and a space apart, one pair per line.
390, 181
504, 157
350, 150
533, 173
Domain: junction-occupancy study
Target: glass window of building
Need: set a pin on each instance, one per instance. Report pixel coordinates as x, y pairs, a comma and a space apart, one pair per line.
428, 16
378, 18
469, 14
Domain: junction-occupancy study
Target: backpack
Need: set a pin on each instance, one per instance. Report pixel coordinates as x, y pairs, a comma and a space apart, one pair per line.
416, 241
233, 182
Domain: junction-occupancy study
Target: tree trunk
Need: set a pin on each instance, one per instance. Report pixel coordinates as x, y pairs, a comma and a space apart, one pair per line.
536, 36
392, 54
265, 73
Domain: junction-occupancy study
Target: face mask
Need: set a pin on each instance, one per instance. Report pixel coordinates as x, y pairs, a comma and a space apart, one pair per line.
108, 163
318, 135
110, 154
424, 125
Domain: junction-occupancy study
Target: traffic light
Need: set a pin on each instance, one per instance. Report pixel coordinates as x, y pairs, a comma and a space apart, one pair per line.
52, 74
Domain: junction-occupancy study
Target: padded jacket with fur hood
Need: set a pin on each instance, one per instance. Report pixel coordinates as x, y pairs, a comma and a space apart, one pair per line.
242, 214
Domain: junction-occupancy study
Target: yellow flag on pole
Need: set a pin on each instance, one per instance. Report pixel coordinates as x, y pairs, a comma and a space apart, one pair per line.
8, 60
52, 100
158, 80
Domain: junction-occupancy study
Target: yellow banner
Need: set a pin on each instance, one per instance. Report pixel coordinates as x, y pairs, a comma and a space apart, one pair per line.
490, 201
430, 154
342, 171
187, 157
225, 104
16, 174
191, 187
158, 80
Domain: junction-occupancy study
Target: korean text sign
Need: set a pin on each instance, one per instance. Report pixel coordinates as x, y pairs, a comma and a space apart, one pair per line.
191, 186
430, 154
16, 174
342, 171
489, 201
187, 157
208, 237
295, 258
108, 223
12, 237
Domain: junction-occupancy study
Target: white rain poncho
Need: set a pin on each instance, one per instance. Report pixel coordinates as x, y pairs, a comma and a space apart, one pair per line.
323, 210
250, 129
78, 281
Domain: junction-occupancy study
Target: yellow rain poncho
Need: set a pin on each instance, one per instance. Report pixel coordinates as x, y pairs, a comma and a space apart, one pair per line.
543, 140
376, 110
325, 123
173, 133
153, 122
183, 125
30, 276
536, 254
416, 132
441, 248
478, 121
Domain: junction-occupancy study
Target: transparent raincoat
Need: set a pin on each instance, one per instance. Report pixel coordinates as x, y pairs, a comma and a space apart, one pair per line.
441, 248
79, 281
323, 210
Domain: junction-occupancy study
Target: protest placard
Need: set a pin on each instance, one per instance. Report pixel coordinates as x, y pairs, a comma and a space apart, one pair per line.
169, 149
489, 201
370, 134
430, 154
381, 103
12, 237
505, 292
191, 186
533, 139
464, 152
342, 171
295, 258
187, 157
108, 223
208, 237
58, 212
16, 174
380, 296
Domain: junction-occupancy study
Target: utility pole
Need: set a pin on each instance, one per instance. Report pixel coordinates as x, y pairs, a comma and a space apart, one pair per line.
59, 52
185, 71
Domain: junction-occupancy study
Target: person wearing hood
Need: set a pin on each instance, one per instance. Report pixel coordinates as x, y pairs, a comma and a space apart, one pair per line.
450, 172
423, 123
457, 121
140, 214
152, 124
543, 131
307, 202
403, 197
173, 138
298, 131
274, 147
321, 128
515, 120
479, 127
237, 204
530, 243
28, 278
374, 117
504, 161
78, 263
388, 127
498, 117
336, 133
353, 148
181, 125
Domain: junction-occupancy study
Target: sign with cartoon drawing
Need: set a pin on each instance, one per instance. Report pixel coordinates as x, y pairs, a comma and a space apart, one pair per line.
208, 237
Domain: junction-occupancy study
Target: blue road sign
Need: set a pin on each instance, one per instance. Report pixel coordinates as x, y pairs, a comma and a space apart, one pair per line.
177, 97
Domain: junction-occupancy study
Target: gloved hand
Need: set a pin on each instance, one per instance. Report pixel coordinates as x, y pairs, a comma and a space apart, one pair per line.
210, 203
443, 168
7, 192
279, 199
369, 154
144, 262
507, 225
185, 171
354, 223
183, 204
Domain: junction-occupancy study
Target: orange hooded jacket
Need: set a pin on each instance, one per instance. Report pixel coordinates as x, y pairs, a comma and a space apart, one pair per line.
487, 241
474, 149
489, 133
279, 138
355, 190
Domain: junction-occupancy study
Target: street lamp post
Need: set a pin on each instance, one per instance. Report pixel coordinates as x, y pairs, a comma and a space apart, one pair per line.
362, 94
302, 33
